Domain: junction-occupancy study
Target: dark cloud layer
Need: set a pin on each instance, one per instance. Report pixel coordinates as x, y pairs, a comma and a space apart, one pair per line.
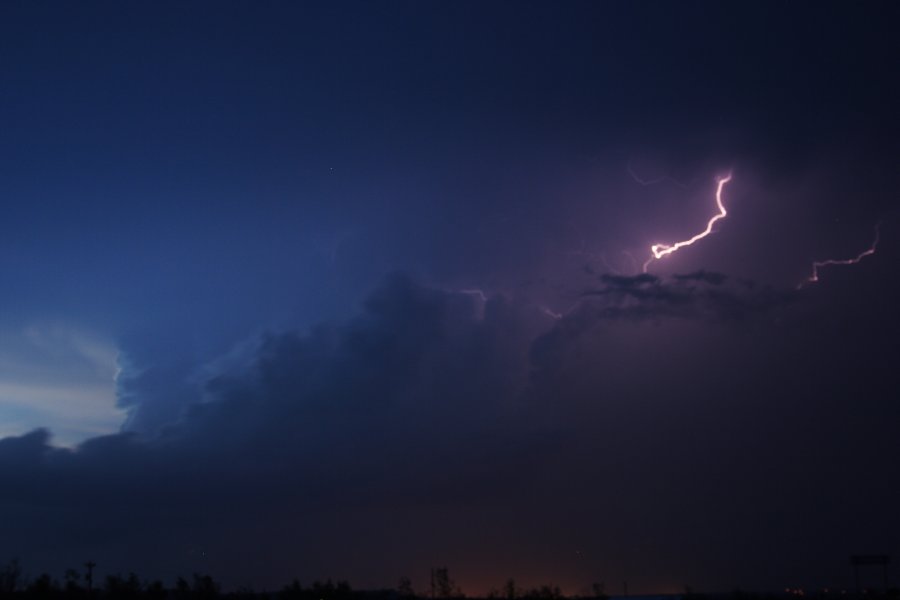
691, 295
432, 429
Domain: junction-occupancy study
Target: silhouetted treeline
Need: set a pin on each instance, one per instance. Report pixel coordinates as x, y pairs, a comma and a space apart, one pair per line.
74, 584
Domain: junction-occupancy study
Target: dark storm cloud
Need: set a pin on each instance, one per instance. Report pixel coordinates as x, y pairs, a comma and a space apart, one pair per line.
696, 298
701, 294
27, 450
418, 401
704, 276
427, 404
417, 361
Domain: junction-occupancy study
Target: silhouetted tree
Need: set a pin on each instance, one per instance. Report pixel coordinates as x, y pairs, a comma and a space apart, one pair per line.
43, 587
599, 590
404, 588
10, 577
89, 576
127, 588
205, 587
72, 586
155, 590
182, 590
443, 586
331, 591
246, 593
544, 592
510, 592
327, 590
292, 591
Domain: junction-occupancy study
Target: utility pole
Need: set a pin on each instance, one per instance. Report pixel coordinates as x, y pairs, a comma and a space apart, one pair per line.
90, 575
432, 583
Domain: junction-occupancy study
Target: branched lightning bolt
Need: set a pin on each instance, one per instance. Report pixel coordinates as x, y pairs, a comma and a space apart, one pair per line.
660, 250
818, 264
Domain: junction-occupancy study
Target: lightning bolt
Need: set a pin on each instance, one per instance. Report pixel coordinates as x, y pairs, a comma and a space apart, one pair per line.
818, 264
658, 251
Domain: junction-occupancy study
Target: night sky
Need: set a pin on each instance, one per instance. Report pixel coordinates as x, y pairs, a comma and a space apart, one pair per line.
355, 289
